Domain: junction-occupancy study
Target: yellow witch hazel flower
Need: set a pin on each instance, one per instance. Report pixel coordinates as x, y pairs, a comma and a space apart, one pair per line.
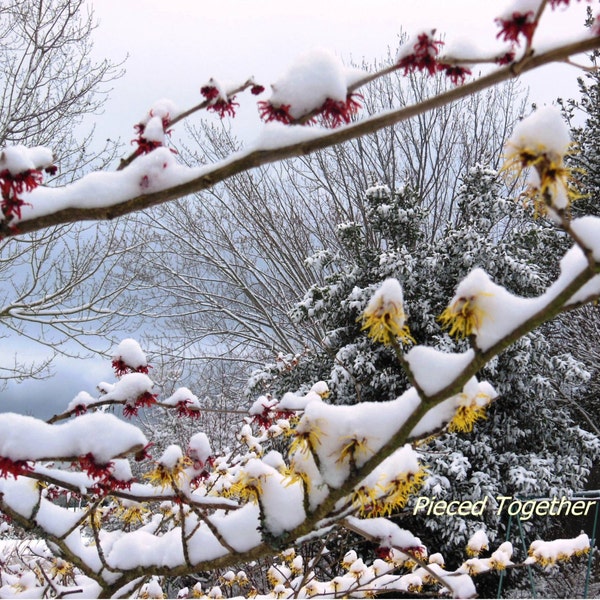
131, 513
400, 488
477, 543
353, 448
472, 405
384, 317
63, 570
541, 141
306, 437
169, 468
465, 315
247, 488
547, 553
391, 485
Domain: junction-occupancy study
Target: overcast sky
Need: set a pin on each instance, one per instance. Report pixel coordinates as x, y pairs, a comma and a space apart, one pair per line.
173, 47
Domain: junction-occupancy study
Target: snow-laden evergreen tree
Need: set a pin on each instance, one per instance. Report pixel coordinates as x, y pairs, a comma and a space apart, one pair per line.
529, 445
584, 117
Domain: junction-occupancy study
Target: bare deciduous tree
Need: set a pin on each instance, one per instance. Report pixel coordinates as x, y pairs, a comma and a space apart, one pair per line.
57, 285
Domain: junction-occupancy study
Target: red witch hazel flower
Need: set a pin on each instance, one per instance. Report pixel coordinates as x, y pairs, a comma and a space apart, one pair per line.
339, 112
80, 409
455, 73
130, 410
186, 408
121, 368
268, 112
153, 129
104, 473
128, 357
89, 465
210, 92
219, 103
184, 402
265, 418
517, 24
11, 186
21, 172
203, 469
384, 553
13, 467
224, 107
151, 135
596, 25
145, 400
144, 453
506, 58
144, 146
423, 56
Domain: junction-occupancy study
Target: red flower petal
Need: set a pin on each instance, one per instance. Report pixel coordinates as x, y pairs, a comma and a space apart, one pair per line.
13, 467
518, 24
269, 113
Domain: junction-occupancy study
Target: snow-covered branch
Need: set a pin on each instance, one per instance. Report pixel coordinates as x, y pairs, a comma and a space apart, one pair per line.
155, 178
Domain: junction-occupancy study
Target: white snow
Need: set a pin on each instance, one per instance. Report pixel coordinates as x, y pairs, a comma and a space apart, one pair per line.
572, 264
164, 109
171, 456
408, 47
474, 393
18, 159
81, 399
27, 438
544, 129
388, 534
281, 501
587, 230
276, 135
478, 542
365, 425
291, 401
388, 296
142, 548
199, 448
130, 387
309, 81
547, 552
519, 6
262, 404
151, 172
154, 130
433, 369
461, 48
399, 464
182, 395
121, 469
498, 311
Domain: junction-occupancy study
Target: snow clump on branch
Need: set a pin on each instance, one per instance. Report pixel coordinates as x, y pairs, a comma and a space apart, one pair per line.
540, 143
317, 82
